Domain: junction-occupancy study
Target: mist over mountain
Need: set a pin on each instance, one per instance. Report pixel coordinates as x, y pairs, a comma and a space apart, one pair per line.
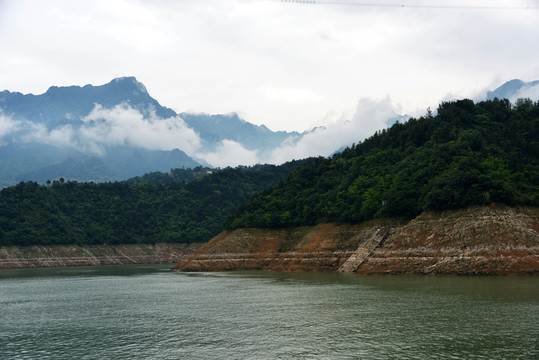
68, 104
117, 130
215, 128
515, 89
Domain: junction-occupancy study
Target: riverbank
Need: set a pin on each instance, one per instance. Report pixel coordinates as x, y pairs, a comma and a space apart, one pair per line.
13, 257
482, 240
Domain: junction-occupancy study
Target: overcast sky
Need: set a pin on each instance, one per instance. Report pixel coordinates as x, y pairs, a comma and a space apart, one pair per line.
289, 66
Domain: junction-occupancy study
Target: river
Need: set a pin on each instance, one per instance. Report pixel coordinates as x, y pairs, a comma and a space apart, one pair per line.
150, 312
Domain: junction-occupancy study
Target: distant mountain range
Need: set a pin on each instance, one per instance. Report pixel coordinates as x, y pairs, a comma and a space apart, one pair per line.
112, 132
117, 130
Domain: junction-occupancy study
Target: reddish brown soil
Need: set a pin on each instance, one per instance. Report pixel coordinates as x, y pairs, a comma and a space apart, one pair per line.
493, 240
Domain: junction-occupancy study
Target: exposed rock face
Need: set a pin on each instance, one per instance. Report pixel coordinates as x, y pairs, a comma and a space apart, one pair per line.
479, 240
90, 255
494, 240
323, 247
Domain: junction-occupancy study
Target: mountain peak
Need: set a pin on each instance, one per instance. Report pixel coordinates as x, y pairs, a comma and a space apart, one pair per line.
129, 81
510, 89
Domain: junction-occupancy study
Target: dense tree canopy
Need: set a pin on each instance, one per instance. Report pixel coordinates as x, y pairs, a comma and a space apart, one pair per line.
148, 209
467, 154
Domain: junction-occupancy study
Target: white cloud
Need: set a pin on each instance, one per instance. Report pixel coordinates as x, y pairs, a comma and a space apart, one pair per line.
370, 116
61, 136
123, 125
230, 153
102, 128
531, 92
7, 125
26, 131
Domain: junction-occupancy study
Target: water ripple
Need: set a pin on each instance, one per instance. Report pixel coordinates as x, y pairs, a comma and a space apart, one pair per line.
152, 314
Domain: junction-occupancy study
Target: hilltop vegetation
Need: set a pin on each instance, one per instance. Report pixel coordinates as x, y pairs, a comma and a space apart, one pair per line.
174, 176
183, 206
467, 154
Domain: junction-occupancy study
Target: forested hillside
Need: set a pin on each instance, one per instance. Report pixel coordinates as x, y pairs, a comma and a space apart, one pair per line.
182, 206
467, 154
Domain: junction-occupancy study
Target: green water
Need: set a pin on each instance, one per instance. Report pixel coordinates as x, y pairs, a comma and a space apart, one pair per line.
149, 312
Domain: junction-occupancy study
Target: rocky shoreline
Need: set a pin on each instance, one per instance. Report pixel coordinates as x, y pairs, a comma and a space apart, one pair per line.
482, 240
16, 257
489, 240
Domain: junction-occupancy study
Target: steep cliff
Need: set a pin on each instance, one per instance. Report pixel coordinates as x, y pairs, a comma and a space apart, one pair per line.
89, 255
479, 240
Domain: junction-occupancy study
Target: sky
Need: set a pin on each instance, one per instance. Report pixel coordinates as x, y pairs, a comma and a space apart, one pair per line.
288, 65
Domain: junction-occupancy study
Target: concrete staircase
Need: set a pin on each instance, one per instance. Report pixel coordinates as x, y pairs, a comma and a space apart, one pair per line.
364, 250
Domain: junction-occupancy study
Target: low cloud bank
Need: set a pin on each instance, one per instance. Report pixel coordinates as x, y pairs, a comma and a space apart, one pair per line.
531, 92
7, 125
102, 128
123, 125
370, 116
230, 153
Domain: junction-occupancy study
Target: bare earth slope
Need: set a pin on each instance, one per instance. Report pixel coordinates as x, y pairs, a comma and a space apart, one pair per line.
90, 255
485, 240
482, 240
